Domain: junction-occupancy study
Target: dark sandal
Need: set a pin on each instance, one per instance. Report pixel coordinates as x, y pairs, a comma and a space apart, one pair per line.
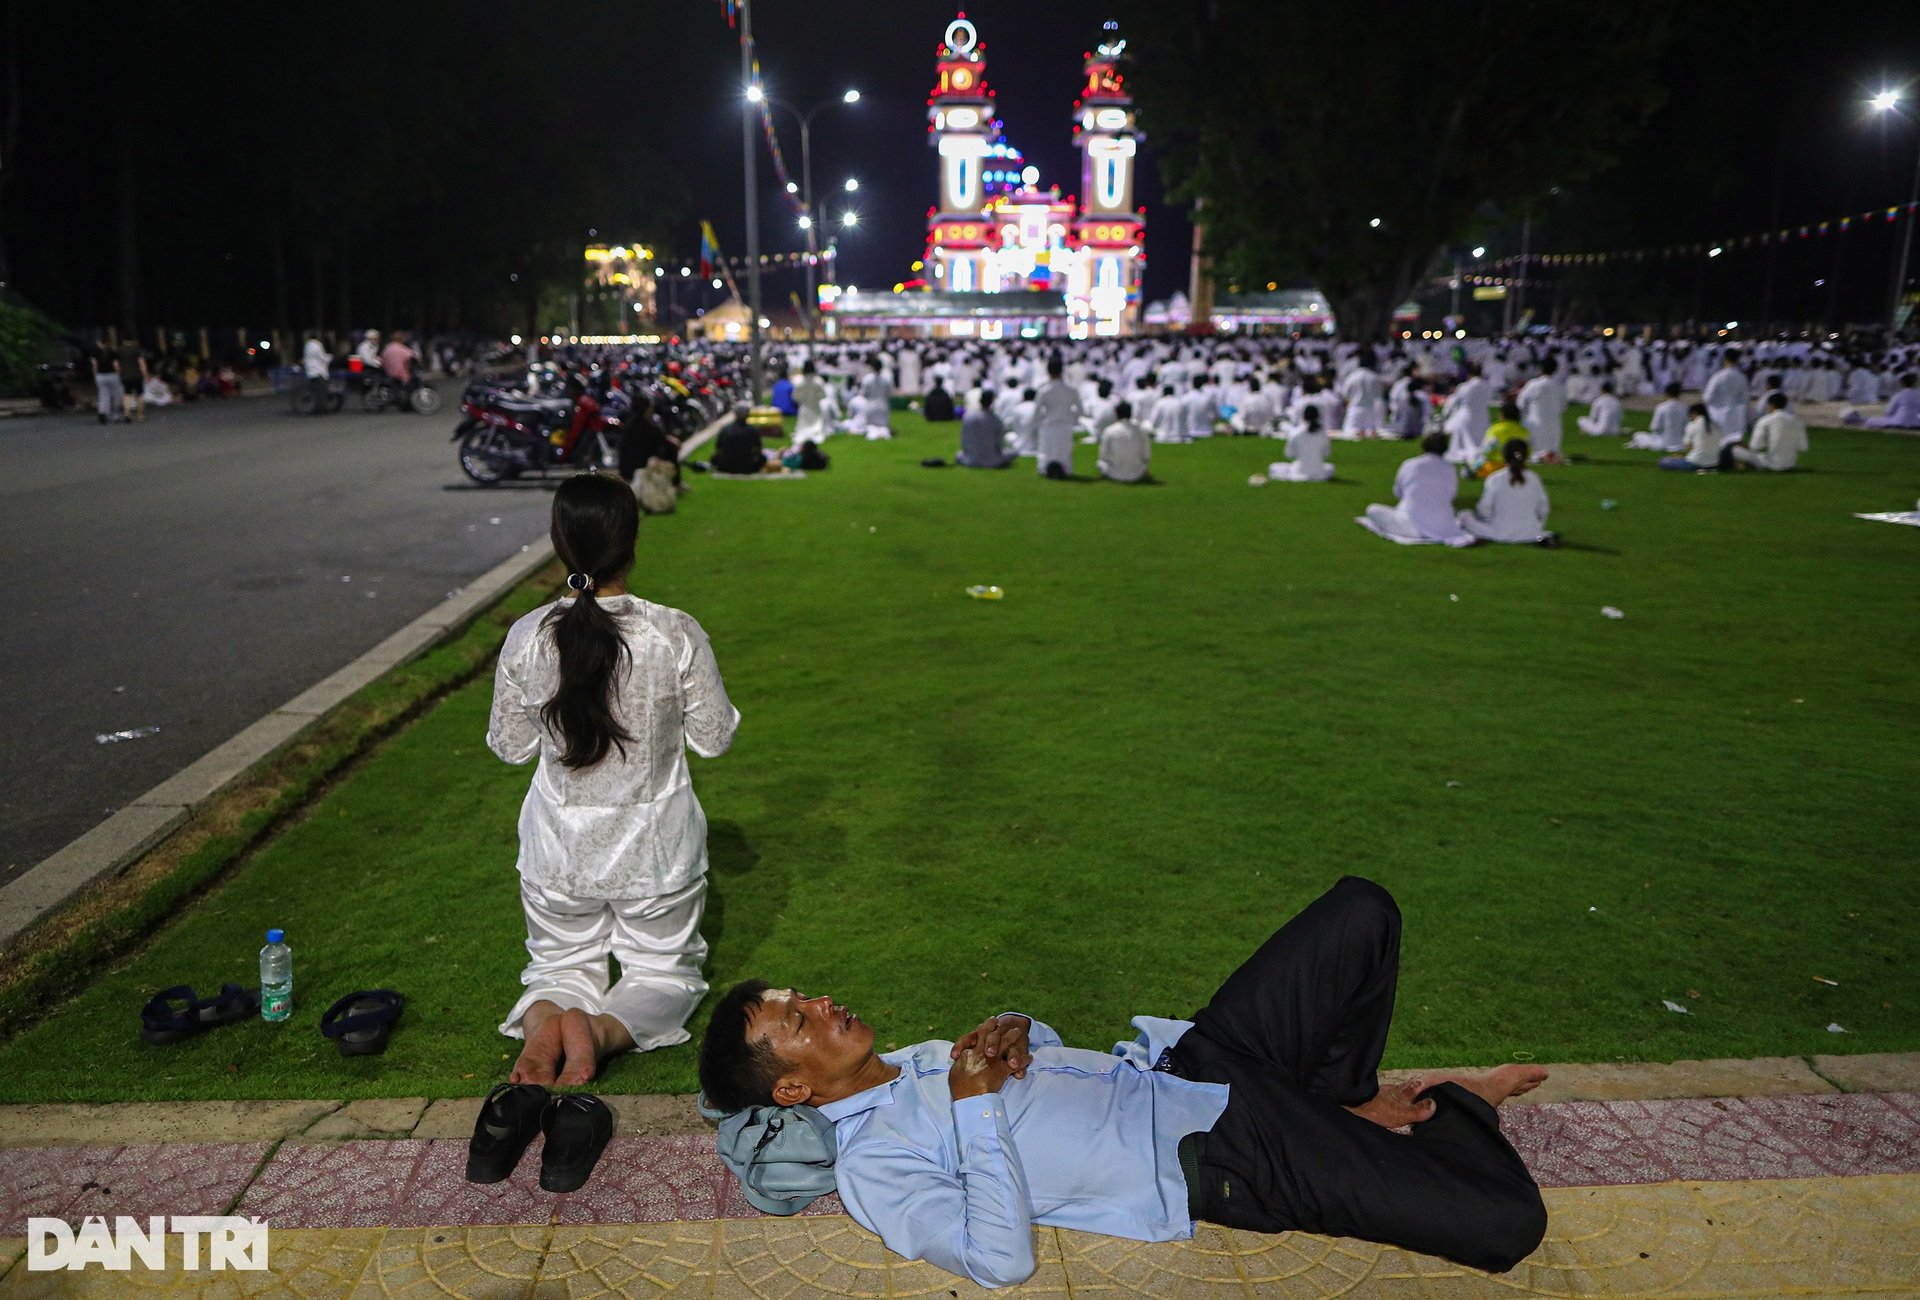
178, 1013
509, 1119
362, 1022
578, 1127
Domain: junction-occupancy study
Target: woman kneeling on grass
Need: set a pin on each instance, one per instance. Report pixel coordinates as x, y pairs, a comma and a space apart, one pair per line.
609, 691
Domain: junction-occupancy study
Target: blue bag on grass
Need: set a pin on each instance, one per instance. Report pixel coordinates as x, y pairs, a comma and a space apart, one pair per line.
782, 1155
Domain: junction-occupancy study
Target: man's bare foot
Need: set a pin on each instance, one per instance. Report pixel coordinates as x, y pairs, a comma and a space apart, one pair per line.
1496, 1085
540, 1058
1397, 1105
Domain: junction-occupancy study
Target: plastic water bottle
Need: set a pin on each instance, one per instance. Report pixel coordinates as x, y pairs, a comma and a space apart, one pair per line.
276, 977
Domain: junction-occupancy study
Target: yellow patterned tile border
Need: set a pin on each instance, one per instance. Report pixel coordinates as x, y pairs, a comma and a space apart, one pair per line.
1822, 1237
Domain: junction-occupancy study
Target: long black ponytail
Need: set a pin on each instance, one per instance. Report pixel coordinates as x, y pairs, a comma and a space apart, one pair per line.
595, 523
1515, 454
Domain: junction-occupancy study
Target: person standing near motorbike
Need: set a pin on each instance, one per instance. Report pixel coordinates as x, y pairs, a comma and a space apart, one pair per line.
317, 363
397, 359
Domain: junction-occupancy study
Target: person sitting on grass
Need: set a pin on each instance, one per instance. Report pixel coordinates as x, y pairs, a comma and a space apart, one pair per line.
608, 691
1307, 447
1126, 447
1513, 504
1263, 1112
1703, 450
1903, 412
1424, 511
1667, 429
983, 437
1776, 441
1603, 419
737, 448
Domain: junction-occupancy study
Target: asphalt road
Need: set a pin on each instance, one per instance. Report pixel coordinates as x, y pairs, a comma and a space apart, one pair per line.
197, 571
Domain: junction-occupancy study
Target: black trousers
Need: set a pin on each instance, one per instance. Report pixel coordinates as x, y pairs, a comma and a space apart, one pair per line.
1296, 1033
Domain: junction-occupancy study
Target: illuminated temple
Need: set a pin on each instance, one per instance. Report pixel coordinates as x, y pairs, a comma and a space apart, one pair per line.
1004, 255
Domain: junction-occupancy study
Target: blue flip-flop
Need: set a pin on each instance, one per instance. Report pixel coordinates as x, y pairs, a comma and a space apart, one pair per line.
178, 1013
362, 1022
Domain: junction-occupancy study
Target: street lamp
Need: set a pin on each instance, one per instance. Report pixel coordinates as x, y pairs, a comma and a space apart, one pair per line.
851, 218
807, 221
1888, 101
852, 184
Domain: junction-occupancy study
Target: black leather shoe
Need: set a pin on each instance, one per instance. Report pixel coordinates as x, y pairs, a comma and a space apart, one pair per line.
577, 1127
509, 1118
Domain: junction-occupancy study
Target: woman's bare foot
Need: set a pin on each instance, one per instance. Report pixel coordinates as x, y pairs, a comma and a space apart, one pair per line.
1397, 1105
1496, 1085
586, 1040
540, 1058
582, 1055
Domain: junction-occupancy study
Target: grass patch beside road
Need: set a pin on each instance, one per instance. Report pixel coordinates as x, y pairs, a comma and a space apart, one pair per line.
1199, 704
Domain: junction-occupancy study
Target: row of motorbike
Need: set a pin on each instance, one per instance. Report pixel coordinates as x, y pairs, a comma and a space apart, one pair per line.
528, 425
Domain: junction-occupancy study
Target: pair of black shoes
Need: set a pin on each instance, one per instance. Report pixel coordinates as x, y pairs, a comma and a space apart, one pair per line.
577, 1126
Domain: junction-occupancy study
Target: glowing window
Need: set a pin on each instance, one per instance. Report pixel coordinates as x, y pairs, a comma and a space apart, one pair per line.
963, 275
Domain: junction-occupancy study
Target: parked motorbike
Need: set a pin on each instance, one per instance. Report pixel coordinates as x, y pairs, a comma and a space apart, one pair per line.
505, 434
380, 393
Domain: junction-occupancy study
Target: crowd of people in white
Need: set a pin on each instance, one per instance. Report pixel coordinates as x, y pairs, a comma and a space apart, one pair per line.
1470, 401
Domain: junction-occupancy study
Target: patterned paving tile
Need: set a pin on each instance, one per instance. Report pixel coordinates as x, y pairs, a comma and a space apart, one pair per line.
437, 1191
481, 1263
171, 1178
1907, 1103
333, 1185
45, 1180
1846, 1133
780, 1258
1581, 1144
1714, 1139
1207, 1266
607, 1260
648, 1180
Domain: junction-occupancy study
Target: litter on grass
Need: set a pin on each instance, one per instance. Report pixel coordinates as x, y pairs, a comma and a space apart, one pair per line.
1611, 612
1453, 785
979, 592
1822, 979
1671, 1005
1835, 1029
1911, 518
1256, 480
115, 737
1608, 503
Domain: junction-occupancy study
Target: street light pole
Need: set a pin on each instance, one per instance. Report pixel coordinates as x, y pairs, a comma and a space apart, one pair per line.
1906, 250
748, 109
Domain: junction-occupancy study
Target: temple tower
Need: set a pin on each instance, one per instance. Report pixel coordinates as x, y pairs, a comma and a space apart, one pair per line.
1109, 228
960, 125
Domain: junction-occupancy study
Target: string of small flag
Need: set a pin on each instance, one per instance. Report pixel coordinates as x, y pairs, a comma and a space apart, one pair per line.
1711, 247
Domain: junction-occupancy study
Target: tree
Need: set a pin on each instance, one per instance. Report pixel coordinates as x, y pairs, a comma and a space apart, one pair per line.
1349, 144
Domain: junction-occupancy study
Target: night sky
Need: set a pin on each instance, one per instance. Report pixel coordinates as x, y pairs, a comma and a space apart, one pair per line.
476, 108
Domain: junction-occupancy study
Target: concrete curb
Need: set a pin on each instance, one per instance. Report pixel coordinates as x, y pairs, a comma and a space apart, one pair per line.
38, 1124
117, 843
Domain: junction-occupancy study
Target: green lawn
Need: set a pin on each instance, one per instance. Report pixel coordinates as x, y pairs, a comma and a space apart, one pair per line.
1199, 704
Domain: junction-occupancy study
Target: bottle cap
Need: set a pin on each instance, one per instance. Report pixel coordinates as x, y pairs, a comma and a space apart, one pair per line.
276, 936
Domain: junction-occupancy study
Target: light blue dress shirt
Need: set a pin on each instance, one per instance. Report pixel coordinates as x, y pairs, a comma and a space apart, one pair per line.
1087, 1140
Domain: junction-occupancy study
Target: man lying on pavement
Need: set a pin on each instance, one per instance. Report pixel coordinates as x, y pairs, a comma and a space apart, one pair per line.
1263, 1112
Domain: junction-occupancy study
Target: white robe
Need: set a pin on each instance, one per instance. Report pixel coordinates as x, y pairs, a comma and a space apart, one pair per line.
1669, 429
1056, 411
1726, 399
1542, 404
1366, 400
877, 395
809, 421
1307, 463
1424, 486
1603, 421
1509, 511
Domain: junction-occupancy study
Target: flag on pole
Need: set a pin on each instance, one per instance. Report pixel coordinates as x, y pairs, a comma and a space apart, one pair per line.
709, 249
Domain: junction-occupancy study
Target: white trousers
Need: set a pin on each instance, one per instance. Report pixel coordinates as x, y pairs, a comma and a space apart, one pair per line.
656, 941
